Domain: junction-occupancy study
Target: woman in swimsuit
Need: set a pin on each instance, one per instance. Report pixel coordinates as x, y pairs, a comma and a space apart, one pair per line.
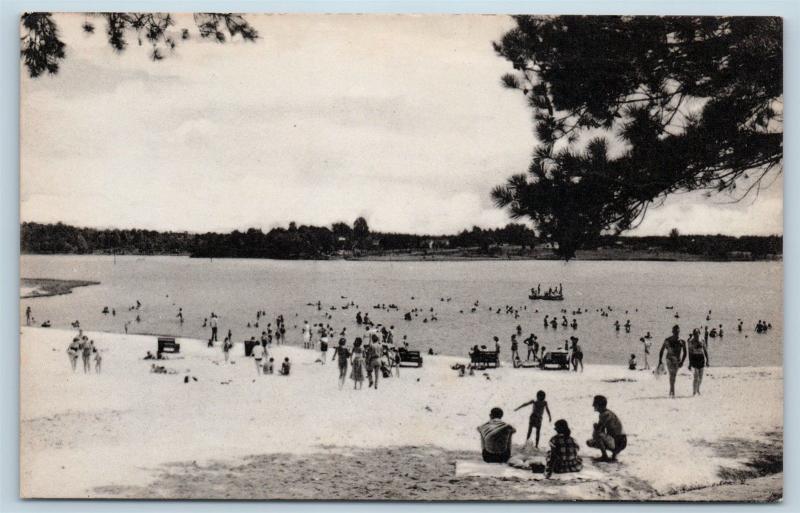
698, 360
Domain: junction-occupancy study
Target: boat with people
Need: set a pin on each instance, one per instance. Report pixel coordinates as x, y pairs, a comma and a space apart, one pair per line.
551, 294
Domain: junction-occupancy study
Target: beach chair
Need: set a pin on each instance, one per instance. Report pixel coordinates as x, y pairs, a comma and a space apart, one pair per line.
168, 345
407, 356
557, 359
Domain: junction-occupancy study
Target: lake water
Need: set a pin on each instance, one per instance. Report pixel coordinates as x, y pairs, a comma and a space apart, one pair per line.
236, 289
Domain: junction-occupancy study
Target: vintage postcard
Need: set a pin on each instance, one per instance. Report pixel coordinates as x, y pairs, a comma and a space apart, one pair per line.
401, 257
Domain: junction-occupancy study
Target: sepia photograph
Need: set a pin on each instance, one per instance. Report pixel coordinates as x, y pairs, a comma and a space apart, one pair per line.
401, 257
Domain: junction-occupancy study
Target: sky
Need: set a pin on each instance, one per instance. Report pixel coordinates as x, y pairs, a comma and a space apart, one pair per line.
400, 119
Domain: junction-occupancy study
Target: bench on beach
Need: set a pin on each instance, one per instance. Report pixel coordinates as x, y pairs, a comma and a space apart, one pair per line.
560, 359
168, 345
484, 359
407, 356
249, 345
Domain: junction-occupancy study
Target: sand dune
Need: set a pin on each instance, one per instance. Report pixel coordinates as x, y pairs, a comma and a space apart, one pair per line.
127, 432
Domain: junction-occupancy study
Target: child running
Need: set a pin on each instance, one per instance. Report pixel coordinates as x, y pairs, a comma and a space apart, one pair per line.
539, 407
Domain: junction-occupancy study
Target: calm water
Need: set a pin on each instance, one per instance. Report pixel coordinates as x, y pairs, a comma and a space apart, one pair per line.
236, 289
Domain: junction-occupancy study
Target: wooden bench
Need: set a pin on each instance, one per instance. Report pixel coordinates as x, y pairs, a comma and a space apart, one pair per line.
560, 359
249, 345
484, 359
407, 356
168, 345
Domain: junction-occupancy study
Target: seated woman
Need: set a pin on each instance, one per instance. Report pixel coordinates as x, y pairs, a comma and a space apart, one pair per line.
563, 455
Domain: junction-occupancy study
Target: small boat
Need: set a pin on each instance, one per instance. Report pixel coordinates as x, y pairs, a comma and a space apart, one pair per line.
547, 297
553, 294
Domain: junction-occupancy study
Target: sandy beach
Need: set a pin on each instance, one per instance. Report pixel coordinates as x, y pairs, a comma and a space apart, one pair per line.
233, 434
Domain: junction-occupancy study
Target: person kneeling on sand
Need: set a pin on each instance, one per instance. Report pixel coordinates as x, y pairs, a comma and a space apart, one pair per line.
269, 366
607, 434
496, 438
285, 367
563, 456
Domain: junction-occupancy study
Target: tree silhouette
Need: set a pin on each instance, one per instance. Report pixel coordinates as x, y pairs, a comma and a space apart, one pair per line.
42, 49
360, 231
691, 103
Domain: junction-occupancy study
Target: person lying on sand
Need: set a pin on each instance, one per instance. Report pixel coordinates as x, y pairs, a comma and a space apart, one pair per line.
563, 455
608, 434
496, 438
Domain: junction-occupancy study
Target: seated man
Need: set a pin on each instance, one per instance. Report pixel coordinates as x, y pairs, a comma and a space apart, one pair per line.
496, 438
607, 434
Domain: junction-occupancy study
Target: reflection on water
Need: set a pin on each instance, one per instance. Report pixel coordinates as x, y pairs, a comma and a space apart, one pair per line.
237, 289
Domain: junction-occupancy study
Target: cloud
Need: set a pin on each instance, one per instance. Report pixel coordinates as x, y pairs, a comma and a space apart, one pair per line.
398, 118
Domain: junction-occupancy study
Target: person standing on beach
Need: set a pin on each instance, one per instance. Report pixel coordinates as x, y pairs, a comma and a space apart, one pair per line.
539, 407
342, 354
29, 316
607, 434
533, 347
698, 360
306, 335
98, 360
72, 351
357, 364
213, 327
258, 352
676, 354
373, 360
323, 349
86, 353
646, 343
577, 354
514, 348
496, 438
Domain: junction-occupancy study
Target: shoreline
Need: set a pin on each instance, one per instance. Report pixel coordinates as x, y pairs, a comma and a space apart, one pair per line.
583, 256
47, 287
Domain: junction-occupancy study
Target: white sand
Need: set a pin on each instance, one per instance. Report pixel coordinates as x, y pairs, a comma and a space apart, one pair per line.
79, 432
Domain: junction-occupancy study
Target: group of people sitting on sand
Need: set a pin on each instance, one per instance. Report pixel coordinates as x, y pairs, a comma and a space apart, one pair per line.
562, 457
84, 348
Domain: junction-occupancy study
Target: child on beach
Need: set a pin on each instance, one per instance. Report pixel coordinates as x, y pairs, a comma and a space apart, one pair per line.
269, 366
97, 361
357, 364
286, 367
226, 348
632, 362
539, 407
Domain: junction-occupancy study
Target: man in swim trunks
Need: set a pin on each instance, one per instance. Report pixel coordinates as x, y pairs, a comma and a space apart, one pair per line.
608, 434
676, 354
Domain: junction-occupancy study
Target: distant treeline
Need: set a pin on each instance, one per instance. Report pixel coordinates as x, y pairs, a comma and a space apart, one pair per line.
315, 242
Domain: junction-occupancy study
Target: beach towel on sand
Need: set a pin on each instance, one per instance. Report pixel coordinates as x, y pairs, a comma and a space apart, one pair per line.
475, 468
